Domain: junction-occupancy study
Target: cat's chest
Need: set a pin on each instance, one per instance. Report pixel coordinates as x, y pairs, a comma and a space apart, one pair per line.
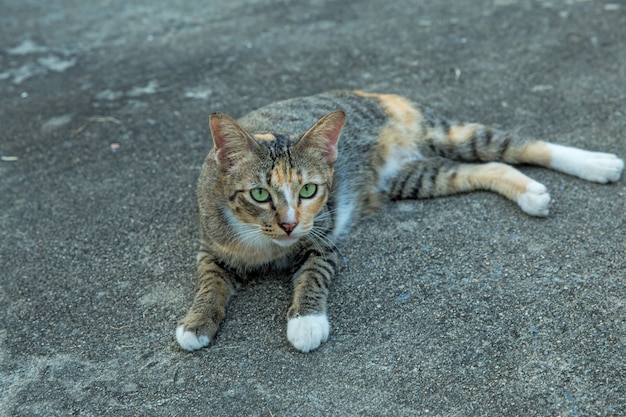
242, 255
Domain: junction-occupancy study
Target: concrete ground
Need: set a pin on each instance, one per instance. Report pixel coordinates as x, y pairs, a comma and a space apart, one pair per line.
462, 306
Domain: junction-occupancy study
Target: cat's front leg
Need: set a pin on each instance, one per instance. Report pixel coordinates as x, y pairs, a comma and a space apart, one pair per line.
307, 322
216, 287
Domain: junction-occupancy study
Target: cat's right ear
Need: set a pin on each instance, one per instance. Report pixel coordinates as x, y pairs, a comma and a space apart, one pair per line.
230, 141
324, 134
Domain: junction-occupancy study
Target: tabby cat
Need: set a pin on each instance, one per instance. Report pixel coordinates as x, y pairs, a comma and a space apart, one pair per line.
279, 189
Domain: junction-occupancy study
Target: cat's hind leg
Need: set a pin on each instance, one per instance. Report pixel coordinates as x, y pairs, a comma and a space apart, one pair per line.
591, 166
217, 286
476, 142
436, 177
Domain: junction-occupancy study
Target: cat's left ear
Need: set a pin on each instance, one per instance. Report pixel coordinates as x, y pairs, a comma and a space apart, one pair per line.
324, 134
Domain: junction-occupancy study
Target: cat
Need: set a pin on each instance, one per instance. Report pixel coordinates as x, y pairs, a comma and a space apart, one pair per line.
278, 190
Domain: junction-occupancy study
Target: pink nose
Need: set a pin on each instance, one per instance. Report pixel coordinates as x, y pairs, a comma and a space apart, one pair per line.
288, 227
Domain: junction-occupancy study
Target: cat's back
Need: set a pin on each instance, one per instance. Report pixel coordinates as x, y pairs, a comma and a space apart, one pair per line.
292, 117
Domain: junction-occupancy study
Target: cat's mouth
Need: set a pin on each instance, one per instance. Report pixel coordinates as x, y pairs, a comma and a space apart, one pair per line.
286, 240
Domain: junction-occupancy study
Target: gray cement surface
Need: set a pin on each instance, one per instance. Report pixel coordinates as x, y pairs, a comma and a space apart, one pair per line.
462, 306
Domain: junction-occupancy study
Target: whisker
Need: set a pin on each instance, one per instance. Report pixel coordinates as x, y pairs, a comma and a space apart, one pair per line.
322, 241
250, 236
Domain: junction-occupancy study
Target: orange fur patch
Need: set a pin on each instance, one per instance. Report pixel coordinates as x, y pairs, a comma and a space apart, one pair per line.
463, 132
396, 138
401, 133
398, 108
279, 175
493, 176
267, 137
537, 153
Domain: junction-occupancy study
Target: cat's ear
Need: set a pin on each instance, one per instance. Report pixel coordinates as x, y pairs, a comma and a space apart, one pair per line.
324, 134
231, 142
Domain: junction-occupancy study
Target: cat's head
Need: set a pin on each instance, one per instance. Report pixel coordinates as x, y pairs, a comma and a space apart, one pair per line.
275, 185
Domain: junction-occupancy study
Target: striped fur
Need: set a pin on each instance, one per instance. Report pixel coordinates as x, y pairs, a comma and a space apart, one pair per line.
279, 189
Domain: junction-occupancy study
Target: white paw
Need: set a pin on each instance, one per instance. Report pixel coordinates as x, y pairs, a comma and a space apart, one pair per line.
306, 333
591, 166
535, 200
190, 340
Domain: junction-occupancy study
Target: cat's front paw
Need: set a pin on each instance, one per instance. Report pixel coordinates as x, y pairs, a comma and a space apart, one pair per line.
191, 339
306, 333
535, 200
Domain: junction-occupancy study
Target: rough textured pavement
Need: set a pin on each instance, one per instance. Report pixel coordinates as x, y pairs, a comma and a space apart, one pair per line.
461, 306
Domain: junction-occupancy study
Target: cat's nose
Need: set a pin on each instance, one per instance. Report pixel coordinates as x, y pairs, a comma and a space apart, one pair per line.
288, 227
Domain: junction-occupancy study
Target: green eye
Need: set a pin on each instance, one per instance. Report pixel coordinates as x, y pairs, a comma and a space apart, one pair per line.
308, 190
260, 194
